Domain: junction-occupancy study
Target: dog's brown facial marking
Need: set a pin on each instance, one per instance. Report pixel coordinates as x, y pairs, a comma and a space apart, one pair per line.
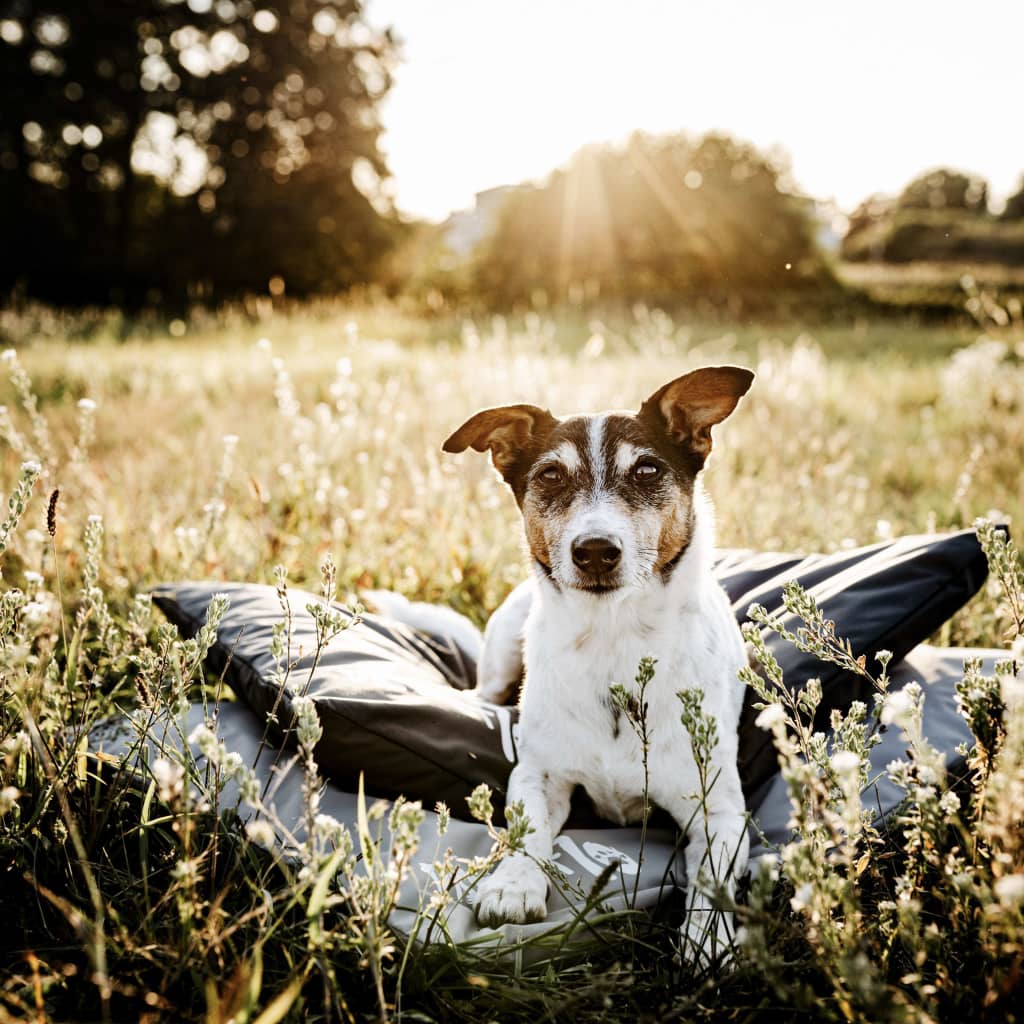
607, 500
537, 540
675, 537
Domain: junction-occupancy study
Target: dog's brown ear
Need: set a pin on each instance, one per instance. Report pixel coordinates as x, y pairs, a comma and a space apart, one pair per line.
507, 432
688, 407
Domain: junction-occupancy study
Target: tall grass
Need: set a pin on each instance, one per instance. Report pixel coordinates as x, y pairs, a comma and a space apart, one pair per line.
311, 456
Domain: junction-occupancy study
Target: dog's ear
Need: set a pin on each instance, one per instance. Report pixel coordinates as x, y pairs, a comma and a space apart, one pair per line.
689, 406
507, 432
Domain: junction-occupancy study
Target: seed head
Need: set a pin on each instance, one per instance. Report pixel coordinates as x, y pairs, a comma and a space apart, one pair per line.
51, 512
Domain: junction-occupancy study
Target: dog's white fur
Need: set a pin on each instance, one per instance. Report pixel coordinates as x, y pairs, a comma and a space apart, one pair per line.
577, 643
565, 733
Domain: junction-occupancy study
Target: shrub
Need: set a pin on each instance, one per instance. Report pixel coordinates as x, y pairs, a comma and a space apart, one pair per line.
657, 218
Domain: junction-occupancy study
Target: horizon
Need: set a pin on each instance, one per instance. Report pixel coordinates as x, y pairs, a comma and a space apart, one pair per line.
501, 127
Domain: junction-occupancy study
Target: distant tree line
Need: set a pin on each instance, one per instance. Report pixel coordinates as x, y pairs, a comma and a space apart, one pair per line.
943, 215
159, 152
154, 151
662, 218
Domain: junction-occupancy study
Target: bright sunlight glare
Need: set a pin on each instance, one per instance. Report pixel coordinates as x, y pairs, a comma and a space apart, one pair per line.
862, 96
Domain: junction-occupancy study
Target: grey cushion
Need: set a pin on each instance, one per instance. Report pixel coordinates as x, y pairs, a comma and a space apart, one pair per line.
582, 853
389, 697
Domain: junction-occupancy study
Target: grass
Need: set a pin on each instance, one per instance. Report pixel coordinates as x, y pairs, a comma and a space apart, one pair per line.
221, 455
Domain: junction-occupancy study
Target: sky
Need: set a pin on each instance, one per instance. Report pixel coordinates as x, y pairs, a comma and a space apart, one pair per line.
862, 96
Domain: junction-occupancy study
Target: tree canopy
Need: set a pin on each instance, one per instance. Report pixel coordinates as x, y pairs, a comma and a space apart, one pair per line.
945, 189
155, 149
661, 216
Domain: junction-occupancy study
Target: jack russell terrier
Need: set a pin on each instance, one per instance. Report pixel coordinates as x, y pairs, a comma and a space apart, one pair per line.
621, 537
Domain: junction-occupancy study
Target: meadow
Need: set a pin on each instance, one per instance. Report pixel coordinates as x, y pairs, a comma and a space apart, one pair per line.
242, 444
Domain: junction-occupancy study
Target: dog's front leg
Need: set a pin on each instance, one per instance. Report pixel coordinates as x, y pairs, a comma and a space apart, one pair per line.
517, 890
716, 854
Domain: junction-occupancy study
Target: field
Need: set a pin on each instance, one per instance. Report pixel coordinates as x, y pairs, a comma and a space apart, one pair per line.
241, 446
990, 292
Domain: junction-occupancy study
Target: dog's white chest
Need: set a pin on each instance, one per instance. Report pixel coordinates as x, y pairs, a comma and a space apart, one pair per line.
614, 776
569, 723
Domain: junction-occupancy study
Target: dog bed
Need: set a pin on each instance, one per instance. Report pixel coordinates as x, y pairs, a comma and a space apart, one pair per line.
392, 705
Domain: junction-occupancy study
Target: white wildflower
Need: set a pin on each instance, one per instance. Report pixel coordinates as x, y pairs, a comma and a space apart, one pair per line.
328, 828
443, 817
900, 707
86, 405
170, 779
802, 897
901, 772
1009, 890
248, 787
766, 866
308, 728
185, 871
203, 738
8, 798
35, 614
261, 833
772, 715
845, 762
949, 805
18, 744
1011, 689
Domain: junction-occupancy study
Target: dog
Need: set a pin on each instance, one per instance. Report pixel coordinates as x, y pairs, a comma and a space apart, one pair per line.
620, 534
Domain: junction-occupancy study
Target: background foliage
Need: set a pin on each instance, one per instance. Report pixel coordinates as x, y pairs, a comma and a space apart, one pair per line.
657, 218
155, 150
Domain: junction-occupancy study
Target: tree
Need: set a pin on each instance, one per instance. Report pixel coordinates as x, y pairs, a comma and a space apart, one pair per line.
657, 218
157, 148
868, 228
943, 189
1014, 209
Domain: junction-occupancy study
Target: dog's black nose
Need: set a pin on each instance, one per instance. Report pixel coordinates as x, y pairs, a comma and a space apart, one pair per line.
595, 555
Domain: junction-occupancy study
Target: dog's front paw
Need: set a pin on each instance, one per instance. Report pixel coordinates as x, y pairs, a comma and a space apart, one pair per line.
706, 938
516, 894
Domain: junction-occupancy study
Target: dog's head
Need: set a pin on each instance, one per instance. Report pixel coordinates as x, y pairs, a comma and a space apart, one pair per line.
607, 499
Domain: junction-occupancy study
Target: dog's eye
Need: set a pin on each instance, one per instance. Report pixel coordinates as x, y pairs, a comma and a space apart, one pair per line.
645, 472
552, 475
